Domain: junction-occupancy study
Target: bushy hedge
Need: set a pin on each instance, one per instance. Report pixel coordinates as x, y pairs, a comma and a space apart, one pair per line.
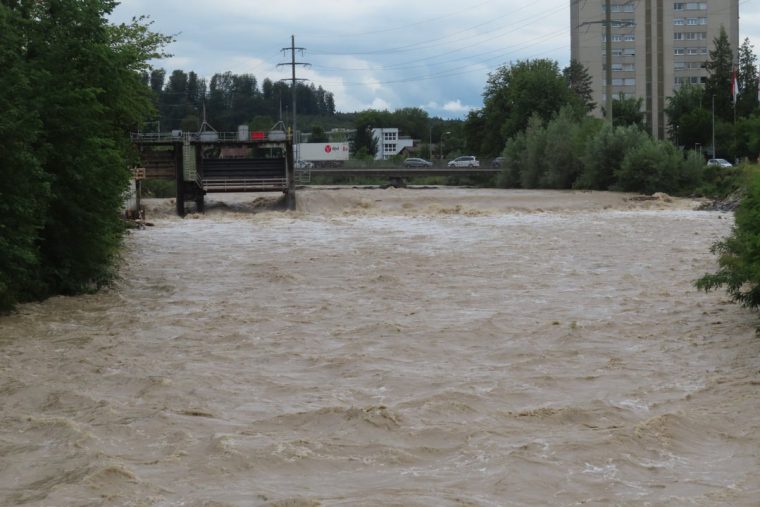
572, 152
739, 254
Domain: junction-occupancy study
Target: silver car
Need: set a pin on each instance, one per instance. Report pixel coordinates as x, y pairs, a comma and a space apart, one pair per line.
417, 162
465, 161
719, 162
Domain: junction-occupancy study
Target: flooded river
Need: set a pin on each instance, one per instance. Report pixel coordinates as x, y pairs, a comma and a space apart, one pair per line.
392, 347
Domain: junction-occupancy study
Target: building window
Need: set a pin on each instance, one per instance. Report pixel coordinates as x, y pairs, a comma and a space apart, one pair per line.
622, 23
690, 6
696, 21
679, 51
615, 38
621, 52
689, 35
629, 38
680, 80
696, 51
679, 21
626, 7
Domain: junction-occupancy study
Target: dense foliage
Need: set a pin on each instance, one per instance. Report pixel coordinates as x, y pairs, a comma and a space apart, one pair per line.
70, 90
230, 100
739, 254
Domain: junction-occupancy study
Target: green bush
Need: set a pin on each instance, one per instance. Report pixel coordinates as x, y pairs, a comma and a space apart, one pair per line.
719, 182
604, 155
739, 254
656, 166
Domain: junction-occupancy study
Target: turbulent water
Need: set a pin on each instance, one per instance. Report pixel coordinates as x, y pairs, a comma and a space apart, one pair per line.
410, 359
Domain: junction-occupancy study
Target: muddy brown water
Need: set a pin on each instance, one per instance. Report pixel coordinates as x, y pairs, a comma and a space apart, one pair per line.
408, 348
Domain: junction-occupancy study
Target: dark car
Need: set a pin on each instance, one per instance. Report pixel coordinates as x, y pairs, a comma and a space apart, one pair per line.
497, 162
417, 162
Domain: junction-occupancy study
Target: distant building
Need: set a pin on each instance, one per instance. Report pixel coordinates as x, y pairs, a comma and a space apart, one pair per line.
656, 47
390, 143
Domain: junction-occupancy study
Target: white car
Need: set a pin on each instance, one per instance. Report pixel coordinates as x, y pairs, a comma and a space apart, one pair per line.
304, 164
719, 162
465, 161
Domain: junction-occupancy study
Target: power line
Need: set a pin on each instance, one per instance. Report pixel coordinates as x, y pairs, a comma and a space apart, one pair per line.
293, 63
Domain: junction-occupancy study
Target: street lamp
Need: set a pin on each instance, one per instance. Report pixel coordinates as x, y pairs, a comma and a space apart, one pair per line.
440, 144
713, 125
430, 144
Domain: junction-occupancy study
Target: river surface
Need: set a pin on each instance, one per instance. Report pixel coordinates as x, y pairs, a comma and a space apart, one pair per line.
452, 357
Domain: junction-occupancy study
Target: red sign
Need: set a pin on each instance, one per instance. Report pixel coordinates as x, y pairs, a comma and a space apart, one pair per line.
328, 149
258, 135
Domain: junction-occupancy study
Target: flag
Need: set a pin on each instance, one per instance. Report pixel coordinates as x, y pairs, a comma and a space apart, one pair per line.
734, 86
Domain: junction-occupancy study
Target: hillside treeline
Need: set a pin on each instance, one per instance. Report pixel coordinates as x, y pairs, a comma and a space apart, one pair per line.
70, 91
230, 100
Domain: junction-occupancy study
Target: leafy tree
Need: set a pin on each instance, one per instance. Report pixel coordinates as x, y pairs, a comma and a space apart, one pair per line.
261, 122
746, 74
627, 111
720, 69
748, 137
579, 81
86, 77
514, 162
739, 254
512, 95
685, 100
533, 161
25, 190
318, 135
566, 139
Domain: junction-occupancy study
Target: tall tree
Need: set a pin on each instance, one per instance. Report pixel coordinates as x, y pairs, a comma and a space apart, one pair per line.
684, 102
720, 67
513, 94
627, 111
746, 74
25, 189
86, 79
579, 81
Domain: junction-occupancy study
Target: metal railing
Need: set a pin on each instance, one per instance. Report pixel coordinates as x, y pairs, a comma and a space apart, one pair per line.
206, 136
241, 184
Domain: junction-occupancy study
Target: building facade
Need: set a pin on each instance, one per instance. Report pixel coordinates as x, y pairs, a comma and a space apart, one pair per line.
389, 142
657, 46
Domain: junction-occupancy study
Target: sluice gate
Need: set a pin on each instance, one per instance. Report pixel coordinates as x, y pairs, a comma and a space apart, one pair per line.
200, 163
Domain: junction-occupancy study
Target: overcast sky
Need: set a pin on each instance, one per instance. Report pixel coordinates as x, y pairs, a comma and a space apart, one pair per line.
382, 54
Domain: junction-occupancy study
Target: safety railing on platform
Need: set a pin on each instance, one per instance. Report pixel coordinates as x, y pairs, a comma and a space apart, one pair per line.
206, 136
242, 184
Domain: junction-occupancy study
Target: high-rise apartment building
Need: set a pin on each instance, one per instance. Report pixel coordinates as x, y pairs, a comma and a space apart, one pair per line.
656, 47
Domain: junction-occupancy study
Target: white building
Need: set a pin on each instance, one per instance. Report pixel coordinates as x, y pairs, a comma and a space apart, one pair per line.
389, 142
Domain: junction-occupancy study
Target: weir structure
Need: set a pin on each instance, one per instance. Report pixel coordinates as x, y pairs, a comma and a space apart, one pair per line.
209, 161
